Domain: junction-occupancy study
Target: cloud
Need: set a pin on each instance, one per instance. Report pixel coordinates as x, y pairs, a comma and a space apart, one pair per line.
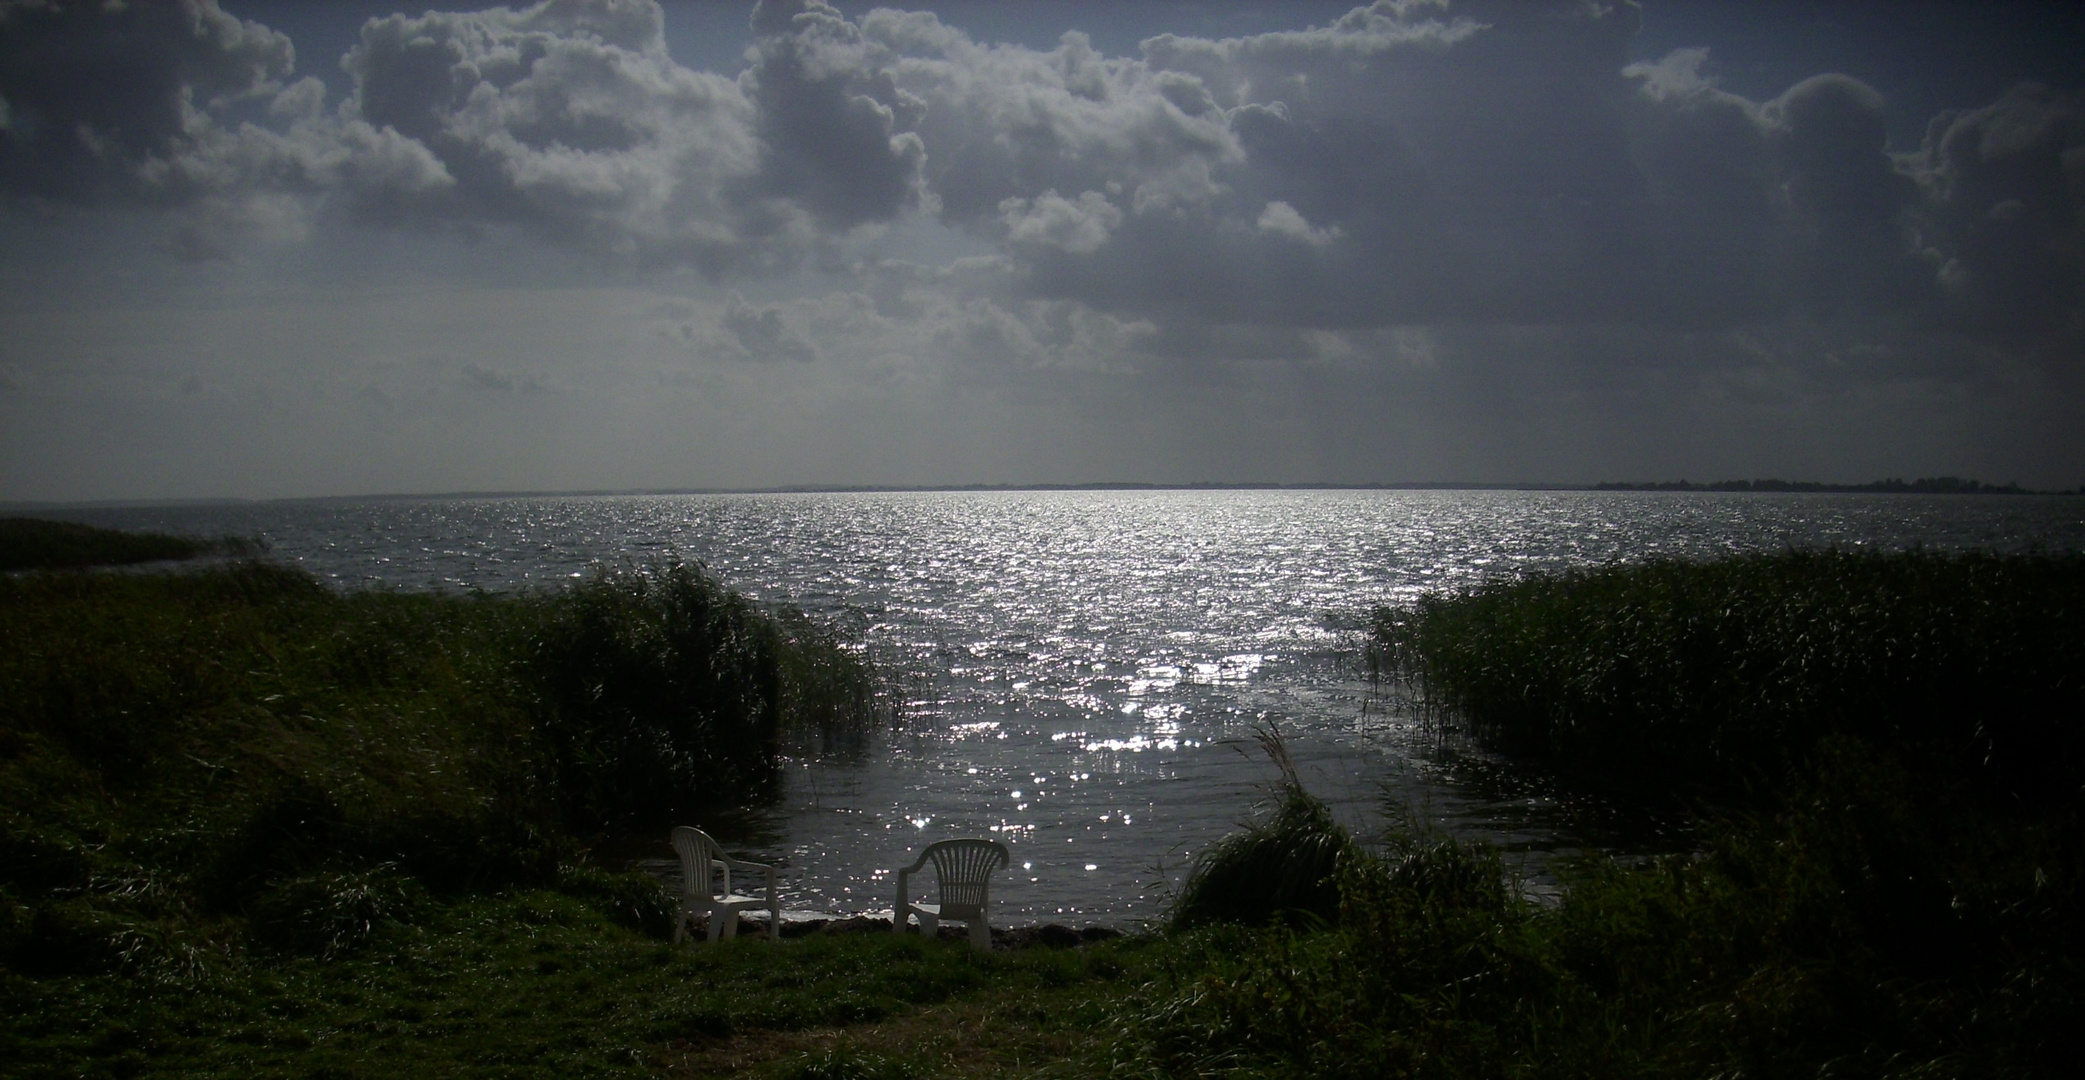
2003, 223
1281, 218
97, 96
1051, 220
1411, 163
567, 119
832, 128
763, 336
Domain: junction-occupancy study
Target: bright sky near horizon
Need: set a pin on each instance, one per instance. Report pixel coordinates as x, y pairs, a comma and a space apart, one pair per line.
254, 248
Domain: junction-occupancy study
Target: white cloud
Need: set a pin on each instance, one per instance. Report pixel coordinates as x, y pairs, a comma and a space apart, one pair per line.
1282, 219
1051, 220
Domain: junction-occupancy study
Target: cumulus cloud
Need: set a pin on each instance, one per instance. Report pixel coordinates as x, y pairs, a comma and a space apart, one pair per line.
566, 118
1051, 220
99, 97
1279, 217
2004, 218
1414, 162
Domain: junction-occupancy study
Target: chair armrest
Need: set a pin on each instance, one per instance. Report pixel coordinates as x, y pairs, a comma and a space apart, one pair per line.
728, 864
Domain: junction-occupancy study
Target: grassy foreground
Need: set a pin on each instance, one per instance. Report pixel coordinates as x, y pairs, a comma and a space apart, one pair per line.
252, 826
255, 827
559, 982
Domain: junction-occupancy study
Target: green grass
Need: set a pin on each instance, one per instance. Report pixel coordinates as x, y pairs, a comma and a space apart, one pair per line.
542, 982
1895, 892
36, 544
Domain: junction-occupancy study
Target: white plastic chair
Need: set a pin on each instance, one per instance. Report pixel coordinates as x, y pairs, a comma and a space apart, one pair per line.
964, 871
701, 861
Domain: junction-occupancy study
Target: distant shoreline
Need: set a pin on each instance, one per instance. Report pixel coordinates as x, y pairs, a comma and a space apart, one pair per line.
1942, 485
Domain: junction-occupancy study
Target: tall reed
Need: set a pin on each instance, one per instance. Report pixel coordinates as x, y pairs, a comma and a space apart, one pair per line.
1723, 674
240, 741
1281, 866
664, 692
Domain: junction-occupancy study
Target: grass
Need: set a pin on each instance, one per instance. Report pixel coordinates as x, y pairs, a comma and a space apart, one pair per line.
545, 982
36, 544
1891, 888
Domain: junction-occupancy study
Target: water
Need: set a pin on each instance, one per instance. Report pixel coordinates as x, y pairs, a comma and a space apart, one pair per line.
1086, 669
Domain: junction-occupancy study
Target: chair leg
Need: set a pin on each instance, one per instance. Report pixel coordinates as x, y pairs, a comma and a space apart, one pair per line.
981, 935
774, 925
929, 925
722, 924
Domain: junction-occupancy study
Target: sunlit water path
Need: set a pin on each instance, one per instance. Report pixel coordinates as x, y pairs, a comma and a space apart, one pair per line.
1085, 669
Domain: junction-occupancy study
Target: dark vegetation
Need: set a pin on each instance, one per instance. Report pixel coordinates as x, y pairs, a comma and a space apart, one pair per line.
193, 762
1721, 675
1282, 867
1883, 752
253, 826
36, 544
1866, 928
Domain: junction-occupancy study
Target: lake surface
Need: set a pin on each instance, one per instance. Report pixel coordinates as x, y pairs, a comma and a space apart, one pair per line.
1083, 671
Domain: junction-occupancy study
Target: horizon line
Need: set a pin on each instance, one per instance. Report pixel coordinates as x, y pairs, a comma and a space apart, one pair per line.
1956, 485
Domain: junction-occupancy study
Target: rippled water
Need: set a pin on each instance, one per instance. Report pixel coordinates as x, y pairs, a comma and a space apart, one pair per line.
1086, 668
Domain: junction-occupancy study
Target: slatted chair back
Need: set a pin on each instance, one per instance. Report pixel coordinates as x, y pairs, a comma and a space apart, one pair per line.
965, 868
701, 858
963, 881
702, 894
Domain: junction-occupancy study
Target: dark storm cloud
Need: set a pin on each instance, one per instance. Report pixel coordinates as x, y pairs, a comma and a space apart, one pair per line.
829, 126
2006, 211
97, 99
1414, 162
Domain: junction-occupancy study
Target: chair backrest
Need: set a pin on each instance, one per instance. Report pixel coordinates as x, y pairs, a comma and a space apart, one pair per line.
696, 849
964, 866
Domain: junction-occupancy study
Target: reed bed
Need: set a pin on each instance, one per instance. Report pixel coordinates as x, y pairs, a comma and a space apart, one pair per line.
37, 544
192, 760
253, 826
1720, 676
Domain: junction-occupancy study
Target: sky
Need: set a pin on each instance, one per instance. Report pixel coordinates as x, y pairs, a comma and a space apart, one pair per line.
259, 249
